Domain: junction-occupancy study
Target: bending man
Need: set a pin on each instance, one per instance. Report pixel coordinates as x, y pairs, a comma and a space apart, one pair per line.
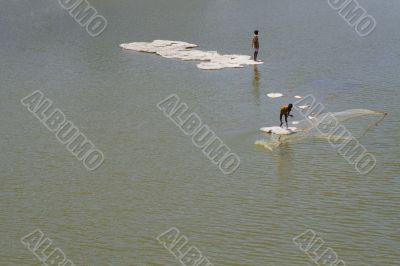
285, 111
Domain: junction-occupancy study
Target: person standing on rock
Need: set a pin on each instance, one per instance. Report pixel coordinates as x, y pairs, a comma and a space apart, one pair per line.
255, 44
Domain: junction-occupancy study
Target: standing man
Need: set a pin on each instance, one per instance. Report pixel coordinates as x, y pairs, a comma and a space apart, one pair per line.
255, 44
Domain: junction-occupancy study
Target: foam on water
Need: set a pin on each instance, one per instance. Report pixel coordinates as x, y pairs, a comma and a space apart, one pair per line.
212, 60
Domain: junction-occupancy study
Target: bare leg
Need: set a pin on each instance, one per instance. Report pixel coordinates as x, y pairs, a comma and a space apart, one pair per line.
255, 55
280, 118
286, 121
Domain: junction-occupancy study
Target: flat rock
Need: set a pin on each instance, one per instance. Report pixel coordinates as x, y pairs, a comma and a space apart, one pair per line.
212, 60
274, 95
279, 130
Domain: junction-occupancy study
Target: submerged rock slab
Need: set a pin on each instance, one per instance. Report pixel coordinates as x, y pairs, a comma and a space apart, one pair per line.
279, 130
274, 95
212, 60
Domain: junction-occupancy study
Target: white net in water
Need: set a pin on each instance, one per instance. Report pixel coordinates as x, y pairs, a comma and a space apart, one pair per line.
320, 126
311, 122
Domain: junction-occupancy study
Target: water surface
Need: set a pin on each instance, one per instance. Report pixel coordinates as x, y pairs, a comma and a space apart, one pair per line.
153, 178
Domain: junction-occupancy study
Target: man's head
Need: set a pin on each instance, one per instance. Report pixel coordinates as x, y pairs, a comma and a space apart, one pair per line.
256, 32
290, 106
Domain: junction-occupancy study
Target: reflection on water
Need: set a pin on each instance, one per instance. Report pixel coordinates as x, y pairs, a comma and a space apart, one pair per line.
284, 159
256, 83
285, 170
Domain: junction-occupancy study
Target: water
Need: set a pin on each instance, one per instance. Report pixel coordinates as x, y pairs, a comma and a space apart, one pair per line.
153, 177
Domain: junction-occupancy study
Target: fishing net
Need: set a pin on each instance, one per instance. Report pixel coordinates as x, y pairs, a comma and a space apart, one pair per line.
326, 125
